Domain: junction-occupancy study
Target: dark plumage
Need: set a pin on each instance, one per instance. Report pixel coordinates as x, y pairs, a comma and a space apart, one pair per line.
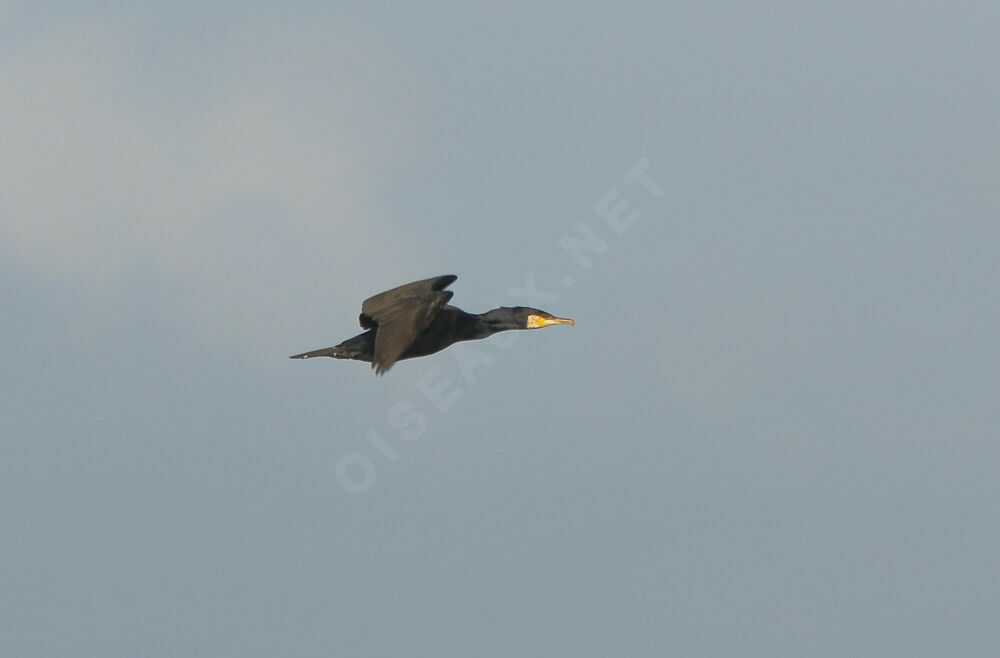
415, 320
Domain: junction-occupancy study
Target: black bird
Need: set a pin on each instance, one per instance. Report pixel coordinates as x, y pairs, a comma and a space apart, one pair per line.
415, 320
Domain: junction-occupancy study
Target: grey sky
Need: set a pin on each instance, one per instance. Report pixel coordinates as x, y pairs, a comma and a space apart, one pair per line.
770, 433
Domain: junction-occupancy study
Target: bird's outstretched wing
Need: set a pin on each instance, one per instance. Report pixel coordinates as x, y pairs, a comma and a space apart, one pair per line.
401, 314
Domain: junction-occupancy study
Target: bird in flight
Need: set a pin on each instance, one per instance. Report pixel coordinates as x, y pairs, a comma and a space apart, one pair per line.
415, 320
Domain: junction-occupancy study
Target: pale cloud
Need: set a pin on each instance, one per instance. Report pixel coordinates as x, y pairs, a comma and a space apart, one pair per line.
243, 169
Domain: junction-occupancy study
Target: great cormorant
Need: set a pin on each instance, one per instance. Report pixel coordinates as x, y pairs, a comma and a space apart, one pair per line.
415, 320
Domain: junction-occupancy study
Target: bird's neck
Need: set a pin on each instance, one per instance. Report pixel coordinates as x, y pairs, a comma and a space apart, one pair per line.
491, 322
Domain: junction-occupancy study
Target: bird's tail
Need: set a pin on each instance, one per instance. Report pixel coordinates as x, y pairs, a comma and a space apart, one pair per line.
336, 352
359, 348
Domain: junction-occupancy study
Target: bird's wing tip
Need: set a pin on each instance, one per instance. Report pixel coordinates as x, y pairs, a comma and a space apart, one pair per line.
444, 281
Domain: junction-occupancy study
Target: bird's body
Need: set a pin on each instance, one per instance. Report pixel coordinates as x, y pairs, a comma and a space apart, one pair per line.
415, 320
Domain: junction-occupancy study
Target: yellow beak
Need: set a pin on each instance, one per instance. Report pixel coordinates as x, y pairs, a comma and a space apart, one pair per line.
547, 321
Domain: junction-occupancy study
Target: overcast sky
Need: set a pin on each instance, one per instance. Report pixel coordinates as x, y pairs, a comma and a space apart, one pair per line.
772, 431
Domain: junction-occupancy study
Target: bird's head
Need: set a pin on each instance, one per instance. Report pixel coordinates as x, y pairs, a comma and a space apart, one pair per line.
532, 318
